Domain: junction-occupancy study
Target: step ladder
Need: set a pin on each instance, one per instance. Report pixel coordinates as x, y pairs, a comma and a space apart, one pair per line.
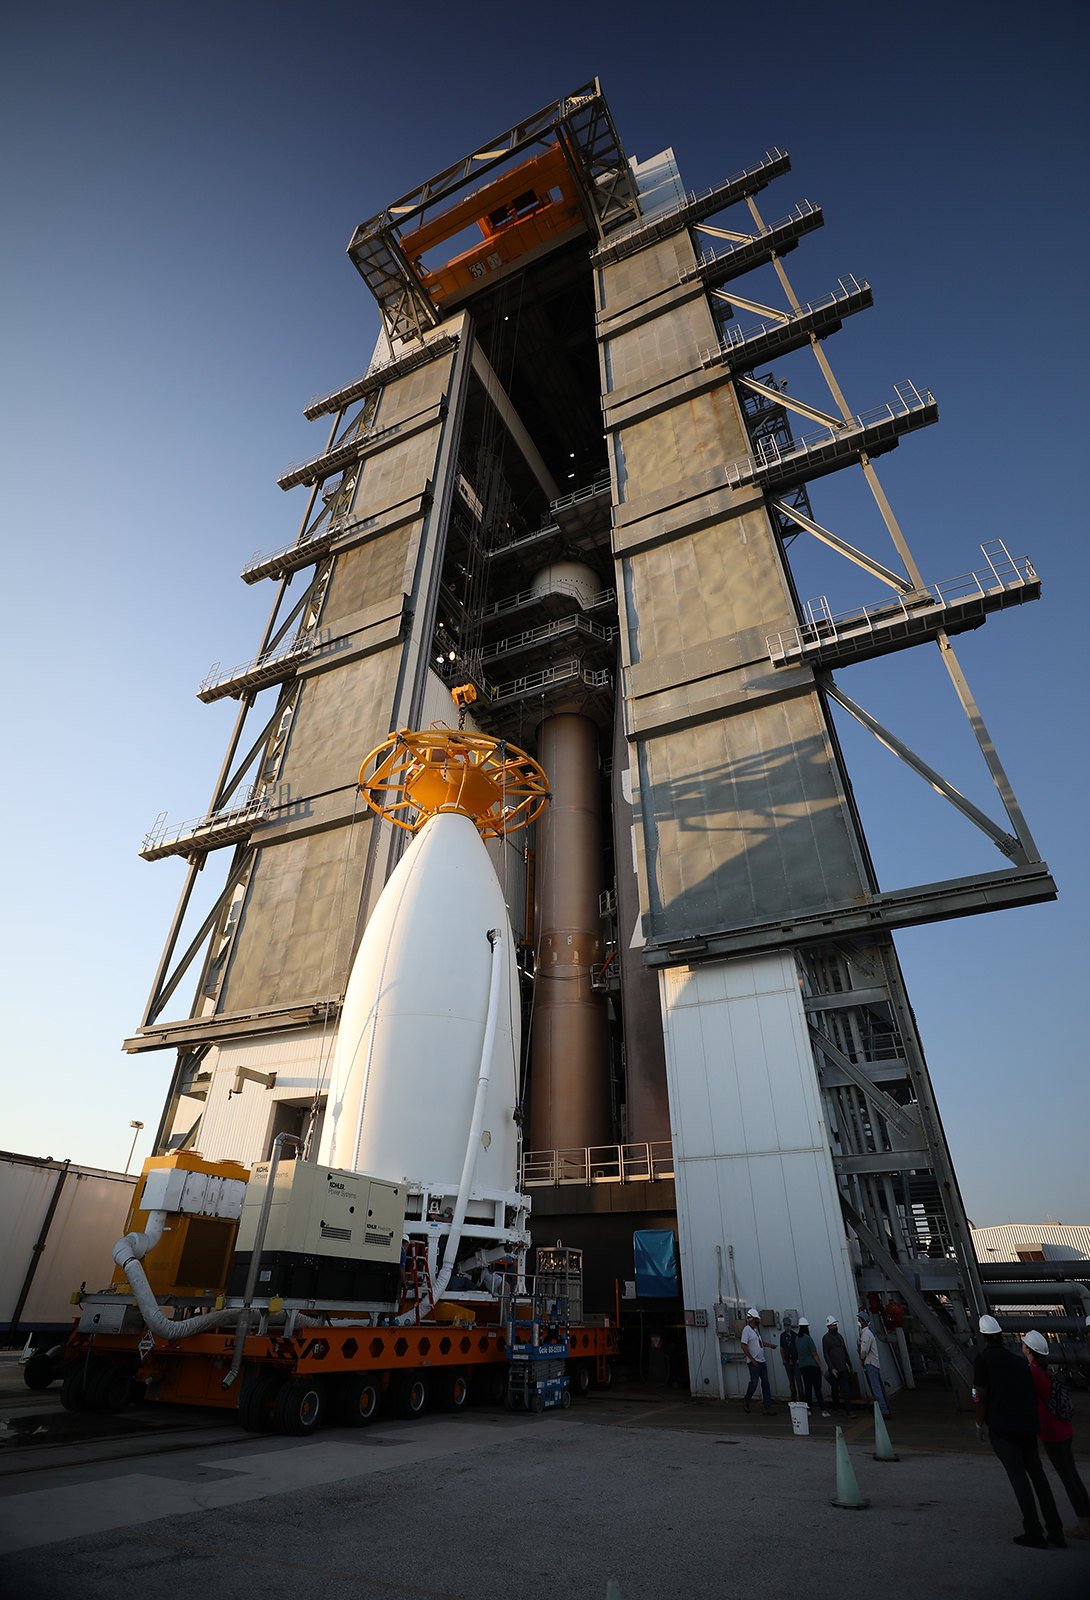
416, 1276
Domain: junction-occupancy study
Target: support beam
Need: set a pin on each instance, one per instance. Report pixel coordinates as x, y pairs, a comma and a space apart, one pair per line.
1010, 846
843, 548
513, 423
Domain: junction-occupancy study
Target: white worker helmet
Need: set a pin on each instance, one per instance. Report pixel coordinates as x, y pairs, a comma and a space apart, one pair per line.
989, 1325
803, 1323
830, 1322
753, 1312
1036, 1342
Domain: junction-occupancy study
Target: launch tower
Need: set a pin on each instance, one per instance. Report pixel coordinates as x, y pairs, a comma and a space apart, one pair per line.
573, 478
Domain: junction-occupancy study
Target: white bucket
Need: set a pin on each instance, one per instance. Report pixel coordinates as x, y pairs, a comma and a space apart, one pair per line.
800, 1416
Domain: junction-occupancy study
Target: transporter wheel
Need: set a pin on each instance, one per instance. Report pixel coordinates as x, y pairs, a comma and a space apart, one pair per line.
359, 1399
39, 1371
581, 1377
489, 1386
109, 1387
255, 1406
451, 1391
412, 1395
606, 1380
73, 1393
299, 1406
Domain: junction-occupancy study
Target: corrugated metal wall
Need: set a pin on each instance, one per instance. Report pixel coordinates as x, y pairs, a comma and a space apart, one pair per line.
1057, 1240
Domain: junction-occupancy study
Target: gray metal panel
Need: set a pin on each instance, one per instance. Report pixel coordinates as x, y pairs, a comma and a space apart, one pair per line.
742, 811
341, 715
295, 937
743, 820
369, 573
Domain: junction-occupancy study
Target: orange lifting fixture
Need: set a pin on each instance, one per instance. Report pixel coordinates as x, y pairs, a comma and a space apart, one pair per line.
535, 203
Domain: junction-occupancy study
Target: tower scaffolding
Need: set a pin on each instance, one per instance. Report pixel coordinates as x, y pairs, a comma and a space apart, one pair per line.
569, 478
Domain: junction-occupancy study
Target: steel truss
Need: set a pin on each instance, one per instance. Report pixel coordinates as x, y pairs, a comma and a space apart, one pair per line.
893, 1166
581, 124
899, 1194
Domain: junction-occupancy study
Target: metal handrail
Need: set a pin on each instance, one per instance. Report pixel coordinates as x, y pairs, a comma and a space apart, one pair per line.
713, 258
303, 645
645, 1162
823, 626
735, 337
550, 630
693, 197
252, 809
909, 399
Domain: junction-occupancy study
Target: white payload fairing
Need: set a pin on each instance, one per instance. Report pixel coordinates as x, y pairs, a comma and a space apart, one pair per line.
409, 1046
425, 1075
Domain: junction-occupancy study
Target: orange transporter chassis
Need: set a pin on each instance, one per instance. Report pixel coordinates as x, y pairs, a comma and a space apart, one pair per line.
344, 1375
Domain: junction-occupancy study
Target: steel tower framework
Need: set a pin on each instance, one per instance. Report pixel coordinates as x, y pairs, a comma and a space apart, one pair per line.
432, 511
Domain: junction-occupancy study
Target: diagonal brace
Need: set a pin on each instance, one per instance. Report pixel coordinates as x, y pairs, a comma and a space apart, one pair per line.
781, 399
843, 548
900, 1117
1006, 842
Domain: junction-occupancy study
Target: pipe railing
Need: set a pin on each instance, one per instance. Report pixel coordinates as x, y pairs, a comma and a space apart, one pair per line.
645, 1162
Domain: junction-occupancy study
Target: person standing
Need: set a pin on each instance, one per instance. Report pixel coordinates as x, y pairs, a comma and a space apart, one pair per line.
838, 1367
1056, 1433
867, 1345
809, 1367
1006, 1404
754, 1347
789, 1355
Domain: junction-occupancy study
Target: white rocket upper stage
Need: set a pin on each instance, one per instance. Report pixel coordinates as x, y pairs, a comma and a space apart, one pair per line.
408, 1051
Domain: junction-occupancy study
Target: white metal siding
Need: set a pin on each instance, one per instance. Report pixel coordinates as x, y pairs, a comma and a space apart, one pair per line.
751, 1156
1057, 1240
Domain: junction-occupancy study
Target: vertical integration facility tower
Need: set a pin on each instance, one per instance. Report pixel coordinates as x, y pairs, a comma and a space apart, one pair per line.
570, 479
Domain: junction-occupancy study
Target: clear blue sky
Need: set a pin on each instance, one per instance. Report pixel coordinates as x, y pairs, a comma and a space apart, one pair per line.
181, 183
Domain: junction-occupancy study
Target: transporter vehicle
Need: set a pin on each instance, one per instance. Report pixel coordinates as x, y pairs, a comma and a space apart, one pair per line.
385, 1264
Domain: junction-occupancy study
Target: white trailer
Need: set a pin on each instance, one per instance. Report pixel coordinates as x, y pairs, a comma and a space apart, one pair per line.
60, 1222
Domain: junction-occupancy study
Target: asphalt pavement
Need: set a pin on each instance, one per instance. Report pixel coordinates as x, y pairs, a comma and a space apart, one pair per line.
661, 1495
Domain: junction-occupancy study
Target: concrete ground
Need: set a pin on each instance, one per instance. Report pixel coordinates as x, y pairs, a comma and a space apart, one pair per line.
666, 1496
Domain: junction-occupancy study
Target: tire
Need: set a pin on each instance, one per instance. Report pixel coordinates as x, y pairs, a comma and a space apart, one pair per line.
489, 1387
412, 1395
537, 1402
605, 1382
109, 1387
451, 1391
582, 1378
39, 1371
299, 1406
359, 1399
565, 1400
255, 1406
73, 1394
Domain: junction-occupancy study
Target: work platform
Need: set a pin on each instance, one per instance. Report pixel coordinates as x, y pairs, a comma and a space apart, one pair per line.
741, 349
896, 622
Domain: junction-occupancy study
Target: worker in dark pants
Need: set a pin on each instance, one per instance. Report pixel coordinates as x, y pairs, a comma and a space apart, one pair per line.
838, 1368
1006, 1404
754, 1347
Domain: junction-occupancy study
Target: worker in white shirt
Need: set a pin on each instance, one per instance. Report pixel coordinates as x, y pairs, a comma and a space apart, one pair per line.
754, 1347
867, 1345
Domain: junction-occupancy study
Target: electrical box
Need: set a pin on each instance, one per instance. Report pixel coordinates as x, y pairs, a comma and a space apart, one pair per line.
724, 1317
325, 1211
331, 1234
696, 1317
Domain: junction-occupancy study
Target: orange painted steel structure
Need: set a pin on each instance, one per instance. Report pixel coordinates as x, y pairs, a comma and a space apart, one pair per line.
191, 1372
536, 203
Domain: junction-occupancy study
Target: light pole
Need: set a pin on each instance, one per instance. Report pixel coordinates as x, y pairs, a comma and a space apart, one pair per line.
137, 1126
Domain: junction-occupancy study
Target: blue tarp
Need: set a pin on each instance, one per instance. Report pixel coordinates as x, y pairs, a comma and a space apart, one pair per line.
655, 1254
